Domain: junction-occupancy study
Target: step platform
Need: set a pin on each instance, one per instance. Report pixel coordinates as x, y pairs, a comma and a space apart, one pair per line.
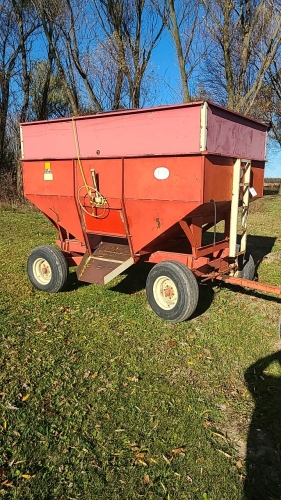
108, 261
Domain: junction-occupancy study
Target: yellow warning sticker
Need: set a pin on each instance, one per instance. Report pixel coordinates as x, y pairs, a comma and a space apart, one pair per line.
48, 176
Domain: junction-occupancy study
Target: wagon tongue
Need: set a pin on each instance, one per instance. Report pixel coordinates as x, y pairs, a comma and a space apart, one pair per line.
108, 261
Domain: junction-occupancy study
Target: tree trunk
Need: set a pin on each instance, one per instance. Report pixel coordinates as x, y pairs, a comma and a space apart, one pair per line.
179, 51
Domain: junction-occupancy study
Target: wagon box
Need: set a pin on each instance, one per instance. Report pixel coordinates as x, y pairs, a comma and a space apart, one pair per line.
145, 185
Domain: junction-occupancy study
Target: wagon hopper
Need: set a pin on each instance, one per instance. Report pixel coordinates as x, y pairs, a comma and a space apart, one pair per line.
145, 185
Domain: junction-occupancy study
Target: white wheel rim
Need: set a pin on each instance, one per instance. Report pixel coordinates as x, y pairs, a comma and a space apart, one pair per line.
165, 293
42, 271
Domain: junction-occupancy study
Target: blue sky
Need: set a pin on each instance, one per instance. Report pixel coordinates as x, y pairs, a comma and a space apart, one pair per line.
273, 165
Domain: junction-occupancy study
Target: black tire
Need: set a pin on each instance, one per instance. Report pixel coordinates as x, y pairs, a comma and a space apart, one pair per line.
246, 267
180, 283
47, 269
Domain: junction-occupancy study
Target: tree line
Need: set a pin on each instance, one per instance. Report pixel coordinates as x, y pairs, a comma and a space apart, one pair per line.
67, 57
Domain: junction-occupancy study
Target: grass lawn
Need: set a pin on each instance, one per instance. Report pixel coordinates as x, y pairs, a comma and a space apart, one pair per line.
101, 399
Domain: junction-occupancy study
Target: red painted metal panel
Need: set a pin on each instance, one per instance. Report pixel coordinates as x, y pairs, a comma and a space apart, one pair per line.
109, 175
149, 219
230, 134
109, 178
111, 223
162, 256
184, 181
154, 205
55, 198
62, 183
218, 178
167, 130
257, 177
62, 210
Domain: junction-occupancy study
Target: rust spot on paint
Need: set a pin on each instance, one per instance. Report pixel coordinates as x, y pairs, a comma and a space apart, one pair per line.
158, 222
56, 213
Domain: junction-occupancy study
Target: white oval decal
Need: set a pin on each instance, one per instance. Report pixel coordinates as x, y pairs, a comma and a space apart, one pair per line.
161, 173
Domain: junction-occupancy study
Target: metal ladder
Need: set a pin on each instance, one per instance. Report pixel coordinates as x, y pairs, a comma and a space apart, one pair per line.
241, 179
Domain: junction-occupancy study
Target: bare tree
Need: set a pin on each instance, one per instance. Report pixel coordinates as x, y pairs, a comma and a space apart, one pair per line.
182, 19
51, 13
69, 29
47, 95
16, 28
246, 37
131, 31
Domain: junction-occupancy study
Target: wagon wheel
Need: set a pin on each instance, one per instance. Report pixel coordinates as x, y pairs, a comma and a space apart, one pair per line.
172, 291
47, 268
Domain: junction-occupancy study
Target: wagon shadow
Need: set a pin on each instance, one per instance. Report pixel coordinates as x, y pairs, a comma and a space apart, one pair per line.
135, 280
263, 461
206, 297
73, 283
251, 293
260, 247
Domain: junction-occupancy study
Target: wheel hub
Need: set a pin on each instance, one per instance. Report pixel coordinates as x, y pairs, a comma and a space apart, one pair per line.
168, 292
165, 292
42, 271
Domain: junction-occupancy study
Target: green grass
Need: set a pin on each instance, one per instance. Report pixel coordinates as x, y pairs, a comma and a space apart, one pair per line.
101, 399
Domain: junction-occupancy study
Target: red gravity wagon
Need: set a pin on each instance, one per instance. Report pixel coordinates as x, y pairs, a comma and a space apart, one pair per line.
145, 185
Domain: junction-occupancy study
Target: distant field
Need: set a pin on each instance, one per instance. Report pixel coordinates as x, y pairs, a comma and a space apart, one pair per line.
271, 186
272, 179
101, 399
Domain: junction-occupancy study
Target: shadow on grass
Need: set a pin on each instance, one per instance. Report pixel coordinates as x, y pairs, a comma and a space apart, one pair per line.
260, 247
263, 462
250, 292
135, 281
206, 297
73, 283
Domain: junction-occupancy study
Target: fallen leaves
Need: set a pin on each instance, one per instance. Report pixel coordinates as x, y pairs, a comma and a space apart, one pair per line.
7, 484
146, 480
172, 343
141, 458
9, 406
239, 464
140, 455
178, 451
192, 336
